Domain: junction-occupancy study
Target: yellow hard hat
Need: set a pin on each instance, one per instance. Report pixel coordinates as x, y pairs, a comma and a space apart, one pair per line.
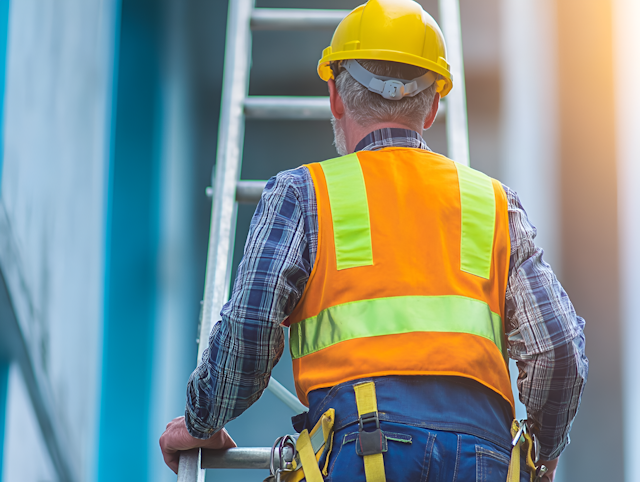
393, 30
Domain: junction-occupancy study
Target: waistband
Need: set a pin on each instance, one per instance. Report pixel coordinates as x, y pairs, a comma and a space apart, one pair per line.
447, 403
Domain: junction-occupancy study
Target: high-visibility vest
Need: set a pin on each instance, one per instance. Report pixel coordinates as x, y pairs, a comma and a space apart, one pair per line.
410, 274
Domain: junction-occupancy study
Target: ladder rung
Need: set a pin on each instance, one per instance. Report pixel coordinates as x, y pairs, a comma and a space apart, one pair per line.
287, 107
237, 458
249, 192
290, 107
296, 18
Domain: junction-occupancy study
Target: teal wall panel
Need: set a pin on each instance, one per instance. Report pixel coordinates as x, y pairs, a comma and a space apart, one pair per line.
4, 365
132, 242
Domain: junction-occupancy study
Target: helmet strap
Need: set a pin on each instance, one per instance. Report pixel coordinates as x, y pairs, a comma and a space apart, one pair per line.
388, 87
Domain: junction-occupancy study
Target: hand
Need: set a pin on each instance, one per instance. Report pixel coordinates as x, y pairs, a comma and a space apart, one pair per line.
176, 438
551, 466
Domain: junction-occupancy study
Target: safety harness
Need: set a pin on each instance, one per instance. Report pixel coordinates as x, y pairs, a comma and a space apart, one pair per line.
523, 440
307, 456
311, 451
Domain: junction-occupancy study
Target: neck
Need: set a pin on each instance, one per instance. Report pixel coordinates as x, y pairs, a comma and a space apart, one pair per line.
354, 132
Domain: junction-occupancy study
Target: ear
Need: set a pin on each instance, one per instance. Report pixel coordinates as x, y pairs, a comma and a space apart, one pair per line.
337, 107
431, 116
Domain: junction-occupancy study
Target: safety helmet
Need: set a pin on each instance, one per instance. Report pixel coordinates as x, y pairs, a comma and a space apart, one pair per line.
392, 30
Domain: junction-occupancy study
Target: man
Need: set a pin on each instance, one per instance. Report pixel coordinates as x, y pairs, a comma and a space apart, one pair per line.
404, 278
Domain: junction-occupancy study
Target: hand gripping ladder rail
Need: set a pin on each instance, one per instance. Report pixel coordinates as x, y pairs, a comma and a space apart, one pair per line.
229, 190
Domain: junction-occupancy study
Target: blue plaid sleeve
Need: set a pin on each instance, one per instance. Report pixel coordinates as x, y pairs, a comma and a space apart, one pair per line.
545, 337
248, 341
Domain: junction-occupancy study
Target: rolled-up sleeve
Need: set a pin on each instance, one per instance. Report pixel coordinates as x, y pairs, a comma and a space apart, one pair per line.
545, 337
248, 341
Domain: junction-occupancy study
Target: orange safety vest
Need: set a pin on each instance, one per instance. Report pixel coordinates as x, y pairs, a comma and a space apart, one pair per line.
410, 274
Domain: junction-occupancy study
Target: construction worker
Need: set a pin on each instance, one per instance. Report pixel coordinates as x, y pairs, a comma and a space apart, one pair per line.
405, 279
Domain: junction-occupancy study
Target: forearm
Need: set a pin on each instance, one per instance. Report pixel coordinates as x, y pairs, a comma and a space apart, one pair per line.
545, 337
249, 340
551, 386
232, 375
548, 346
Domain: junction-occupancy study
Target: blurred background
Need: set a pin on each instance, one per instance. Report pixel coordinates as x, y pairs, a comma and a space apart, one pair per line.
109, 123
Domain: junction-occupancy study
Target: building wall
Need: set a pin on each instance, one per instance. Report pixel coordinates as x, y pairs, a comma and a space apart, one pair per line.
56, 144
26, 456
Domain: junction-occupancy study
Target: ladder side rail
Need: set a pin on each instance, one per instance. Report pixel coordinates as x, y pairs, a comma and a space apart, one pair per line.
190, 469
457, 128
227, 171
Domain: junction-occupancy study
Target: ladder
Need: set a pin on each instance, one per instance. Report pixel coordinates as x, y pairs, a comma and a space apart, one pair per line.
228, 189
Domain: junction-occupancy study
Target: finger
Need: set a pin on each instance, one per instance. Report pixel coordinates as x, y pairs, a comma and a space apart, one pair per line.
165, 444
227, 441
172, 460
219, 440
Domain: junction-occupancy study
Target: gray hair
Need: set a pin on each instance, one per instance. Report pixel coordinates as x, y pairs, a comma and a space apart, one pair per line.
367, 107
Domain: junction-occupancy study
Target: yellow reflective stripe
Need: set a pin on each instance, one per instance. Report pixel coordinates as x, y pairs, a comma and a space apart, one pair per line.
308, 458
478, 218
349, 211
366, 402
394, 316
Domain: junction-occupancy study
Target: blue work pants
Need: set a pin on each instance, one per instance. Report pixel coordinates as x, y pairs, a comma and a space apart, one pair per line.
431, 456
444, 429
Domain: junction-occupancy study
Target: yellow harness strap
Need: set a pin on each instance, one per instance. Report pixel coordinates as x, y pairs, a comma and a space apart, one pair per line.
322, 437
367, 403
526, 441
308, 458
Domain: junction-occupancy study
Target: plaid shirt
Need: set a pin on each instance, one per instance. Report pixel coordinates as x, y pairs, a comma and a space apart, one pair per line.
545, 336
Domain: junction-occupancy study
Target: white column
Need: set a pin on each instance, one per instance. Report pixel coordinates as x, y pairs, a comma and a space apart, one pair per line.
528, 125
529, 113
626, 16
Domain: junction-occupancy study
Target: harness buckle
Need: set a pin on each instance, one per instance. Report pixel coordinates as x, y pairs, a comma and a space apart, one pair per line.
370, 442
368, 418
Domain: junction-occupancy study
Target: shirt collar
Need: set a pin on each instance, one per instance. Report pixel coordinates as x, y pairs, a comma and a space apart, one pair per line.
391, 137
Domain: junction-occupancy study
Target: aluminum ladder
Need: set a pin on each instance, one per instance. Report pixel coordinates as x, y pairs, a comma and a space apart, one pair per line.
228, 189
